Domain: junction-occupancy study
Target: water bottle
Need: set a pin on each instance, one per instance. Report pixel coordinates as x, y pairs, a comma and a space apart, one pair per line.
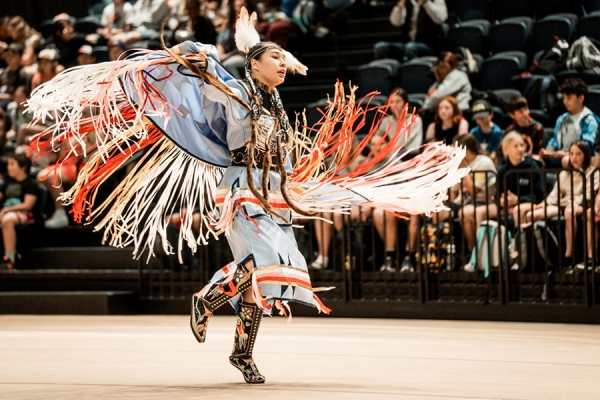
450, 257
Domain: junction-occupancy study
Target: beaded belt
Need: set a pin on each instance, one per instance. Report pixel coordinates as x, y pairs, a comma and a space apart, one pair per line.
240, 155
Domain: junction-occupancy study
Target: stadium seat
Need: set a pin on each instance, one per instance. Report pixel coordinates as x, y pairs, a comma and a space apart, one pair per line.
467, 10
590, 6
378, 75
498, 70
509, 35
87, 25
543, 8
416, 76
592, 101
416, 100
470, 34
512, 8
589, 26
46, 28
546, 29
588, 76
541, 117
548, 134
500, 118
369, 115
101, 53
506, 94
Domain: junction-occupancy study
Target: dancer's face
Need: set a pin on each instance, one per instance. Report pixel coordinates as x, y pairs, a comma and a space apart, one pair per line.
270, 68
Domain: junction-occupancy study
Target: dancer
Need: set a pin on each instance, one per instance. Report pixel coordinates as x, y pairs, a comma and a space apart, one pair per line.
224, 147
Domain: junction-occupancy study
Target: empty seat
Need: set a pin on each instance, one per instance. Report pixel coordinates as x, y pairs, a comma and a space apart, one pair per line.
498, 70
467, 10
416, 76
470, 34
588, 76
512, 8
509, 35
541, 117
544, 8
87, 25
505, 94
592, 101
590, 6
589, 26
546, 29
378, 75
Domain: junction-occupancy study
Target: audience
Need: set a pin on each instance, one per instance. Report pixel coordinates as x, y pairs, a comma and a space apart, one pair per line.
421, 31
487, 133
146, 19
116, 18
449, 81
17, 30
195, 26
448, 122
13, 75
86, 55
47, 67
278, 21
18, 195
531, 130
578, 123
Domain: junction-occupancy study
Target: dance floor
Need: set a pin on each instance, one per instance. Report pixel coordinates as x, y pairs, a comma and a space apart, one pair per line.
156, 357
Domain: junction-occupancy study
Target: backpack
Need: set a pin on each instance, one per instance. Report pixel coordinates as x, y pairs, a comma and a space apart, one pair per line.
541, 92
546, 243
466, 62
489, 249
553, 59
584, 54
435, 240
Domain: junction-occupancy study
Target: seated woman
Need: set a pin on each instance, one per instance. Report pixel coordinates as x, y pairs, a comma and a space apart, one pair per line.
18, 194
567, 195
475, 202
522, 190
450, 81
448, 122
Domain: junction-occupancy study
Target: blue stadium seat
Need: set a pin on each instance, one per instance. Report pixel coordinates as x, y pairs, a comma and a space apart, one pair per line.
546, 29
541, 117
378, 75
512, 8
543, 8
589, 25
470, 34
87, 25
467, 10
589, 6
498, 70
509, 35
416, 76
592, 101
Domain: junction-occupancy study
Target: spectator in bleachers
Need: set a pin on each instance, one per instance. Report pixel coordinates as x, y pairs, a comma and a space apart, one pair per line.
530, 129
86, 55
592, 237
487, 133
14, 110
66, 40
277, 24
13, 75
421, 32
448, 122
18, 194
567, 194
7, 146
195, 26
578, 123
146, 19
518, 191
216, 12
47, 67
230, 56
476, 199
17, 30
115, 18
450, 81
115, 49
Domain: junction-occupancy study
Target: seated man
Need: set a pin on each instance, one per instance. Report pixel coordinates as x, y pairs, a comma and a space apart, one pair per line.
531, 131
578, 123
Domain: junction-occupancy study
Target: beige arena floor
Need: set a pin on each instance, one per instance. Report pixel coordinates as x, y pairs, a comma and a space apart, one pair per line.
156, 357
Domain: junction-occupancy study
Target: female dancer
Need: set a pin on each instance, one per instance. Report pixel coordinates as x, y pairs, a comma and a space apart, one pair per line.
222, 146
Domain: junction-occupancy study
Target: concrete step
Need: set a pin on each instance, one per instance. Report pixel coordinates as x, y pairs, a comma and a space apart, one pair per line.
75, 302
88, 257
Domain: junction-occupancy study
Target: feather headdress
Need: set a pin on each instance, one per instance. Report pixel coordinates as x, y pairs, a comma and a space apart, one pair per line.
247, 37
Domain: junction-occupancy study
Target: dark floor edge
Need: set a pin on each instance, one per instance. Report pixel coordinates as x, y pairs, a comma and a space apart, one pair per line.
554, 313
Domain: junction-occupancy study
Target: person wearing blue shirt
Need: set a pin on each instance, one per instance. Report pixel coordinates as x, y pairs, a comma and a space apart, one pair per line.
487, 133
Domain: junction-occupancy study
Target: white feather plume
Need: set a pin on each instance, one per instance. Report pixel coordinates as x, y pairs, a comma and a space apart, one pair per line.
246, 35
293, 65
